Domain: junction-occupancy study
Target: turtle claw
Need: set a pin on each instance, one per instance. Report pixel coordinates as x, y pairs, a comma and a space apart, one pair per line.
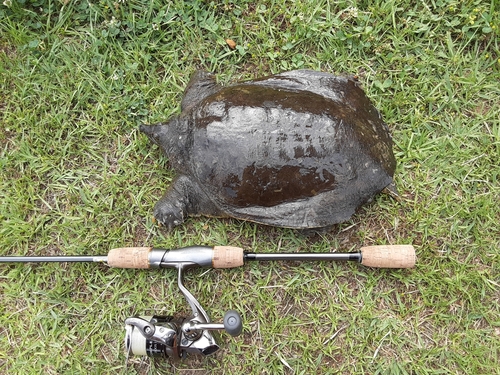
171, 210
169, 214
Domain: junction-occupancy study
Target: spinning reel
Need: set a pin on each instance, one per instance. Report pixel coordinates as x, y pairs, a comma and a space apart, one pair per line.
167, 337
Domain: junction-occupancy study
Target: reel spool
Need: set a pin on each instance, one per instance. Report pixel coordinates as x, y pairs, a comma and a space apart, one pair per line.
136, 343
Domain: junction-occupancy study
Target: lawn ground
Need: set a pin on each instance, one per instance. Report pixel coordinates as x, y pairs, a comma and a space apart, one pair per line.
76, 177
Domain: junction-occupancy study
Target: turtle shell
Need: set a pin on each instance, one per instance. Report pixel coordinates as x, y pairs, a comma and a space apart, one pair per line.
301, 149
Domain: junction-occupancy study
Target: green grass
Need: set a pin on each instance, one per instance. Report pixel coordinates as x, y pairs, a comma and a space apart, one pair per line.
76, 177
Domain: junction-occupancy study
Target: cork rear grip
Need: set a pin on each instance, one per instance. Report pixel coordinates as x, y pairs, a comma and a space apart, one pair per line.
227, 257
388, 256
129, 257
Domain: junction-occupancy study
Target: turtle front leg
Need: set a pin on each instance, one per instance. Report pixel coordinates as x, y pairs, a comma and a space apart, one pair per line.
172, 208
183, 198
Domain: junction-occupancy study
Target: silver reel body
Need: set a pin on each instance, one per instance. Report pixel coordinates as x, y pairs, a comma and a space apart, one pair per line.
163, 336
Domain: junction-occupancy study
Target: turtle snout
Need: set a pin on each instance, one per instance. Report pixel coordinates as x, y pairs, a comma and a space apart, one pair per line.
146, 129
150, 132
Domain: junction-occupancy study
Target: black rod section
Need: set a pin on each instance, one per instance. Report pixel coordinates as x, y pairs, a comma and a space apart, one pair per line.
59, 259
303, 256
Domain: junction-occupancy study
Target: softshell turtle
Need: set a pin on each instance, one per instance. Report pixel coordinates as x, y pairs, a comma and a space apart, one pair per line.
300, 149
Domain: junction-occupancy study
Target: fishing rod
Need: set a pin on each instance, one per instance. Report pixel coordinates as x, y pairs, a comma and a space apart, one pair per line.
165, 336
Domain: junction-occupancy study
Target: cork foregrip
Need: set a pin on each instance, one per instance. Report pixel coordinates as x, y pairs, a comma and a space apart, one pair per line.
129, 257
388, 256
227, 257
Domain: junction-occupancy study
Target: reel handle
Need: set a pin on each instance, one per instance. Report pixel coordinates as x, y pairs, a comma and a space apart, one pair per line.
233, 324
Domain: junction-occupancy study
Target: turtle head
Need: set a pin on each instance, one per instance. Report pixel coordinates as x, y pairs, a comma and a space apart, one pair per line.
153, 132
168, 136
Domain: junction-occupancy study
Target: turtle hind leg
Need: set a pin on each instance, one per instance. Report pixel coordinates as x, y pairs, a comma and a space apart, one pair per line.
182, 199
311, 232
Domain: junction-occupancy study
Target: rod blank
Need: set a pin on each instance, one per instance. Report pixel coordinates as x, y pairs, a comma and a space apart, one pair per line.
303, 256
54, 259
